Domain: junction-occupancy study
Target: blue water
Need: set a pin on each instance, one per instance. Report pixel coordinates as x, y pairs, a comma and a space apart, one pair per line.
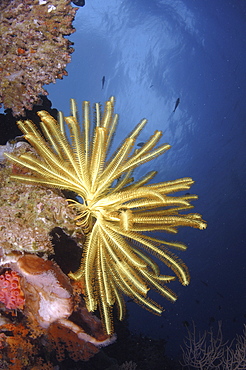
151, 53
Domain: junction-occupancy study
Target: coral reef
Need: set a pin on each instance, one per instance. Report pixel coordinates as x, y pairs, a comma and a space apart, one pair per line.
48, 292
115, 211
209, 351
66, 341
33, 50
49, 304
11, 293
128, 365
17, 347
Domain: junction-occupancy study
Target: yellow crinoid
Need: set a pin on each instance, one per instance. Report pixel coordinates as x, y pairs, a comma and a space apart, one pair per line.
116, 212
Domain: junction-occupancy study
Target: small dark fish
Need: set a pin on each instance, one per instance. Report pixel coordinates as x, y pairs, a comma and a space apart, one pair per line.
118, 179
211, 320
79, 2
141, 144
103, 82
176, 104
219, 294
185, 323
204, 282
197, 301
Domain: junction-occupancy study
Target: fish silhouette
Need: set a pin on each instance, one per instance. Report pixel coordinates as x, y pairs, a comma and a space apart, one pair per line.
103, 82
176, 104
79, 2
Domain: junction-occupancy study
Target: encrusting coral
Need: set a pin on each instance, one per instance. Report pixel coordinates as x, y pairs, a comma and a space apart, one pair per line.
47, 302
11, 293
33, 49
116, 211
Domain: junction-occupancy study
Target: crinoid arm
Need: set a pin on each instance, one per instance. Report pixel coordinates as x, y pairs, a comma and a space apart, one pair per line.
116, 213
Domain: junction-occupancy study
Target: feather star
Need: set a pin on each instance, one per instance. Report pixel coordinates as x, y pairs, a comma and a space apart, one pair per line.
115, 212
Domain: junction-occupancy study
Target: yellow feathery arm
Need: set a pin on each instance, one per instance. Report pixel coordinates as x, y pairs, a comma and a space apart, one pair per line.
28, 127
123, 151
149, 262
34, 164
64, 148
50, 138
98, 156
170, 260
147, 147
78, 149
111, 130
121, 182
144, 180
74, 109
136, 296
87, 269
104, 307
106, 298
106, 278
143, 228
52, 126
47, 175
173, 186
86, 131
51, 131
126, 271
49, 156
181, 220
160, 242
163, 290
145, 202
107, 116
60, 120
124, 250
130, 277
119, 300
136, 131
111, 172
125, 196
98, 115
145, 158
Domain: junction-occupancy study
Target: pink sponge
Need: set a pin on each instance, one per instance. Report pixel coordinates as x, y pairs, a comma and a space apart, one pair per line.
10, 290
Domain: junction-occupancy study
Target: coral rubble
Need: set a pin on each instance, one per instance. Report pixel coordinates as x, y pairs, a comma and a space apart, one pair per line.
33, 49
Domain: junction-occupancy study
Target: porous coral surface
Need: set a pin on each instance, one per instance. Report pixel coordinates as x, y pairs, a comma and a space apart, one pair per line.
33, 49
10, 291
